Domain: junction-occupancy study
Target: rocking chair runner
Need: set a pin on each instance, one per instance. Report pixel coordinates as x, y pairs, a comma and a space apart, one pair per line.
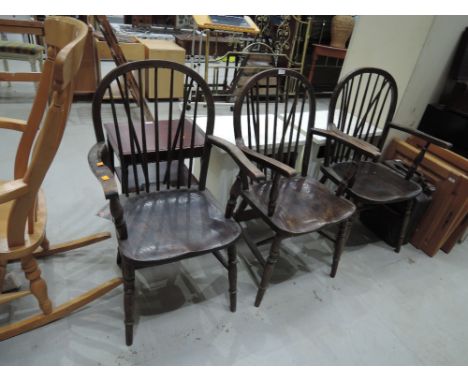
22, 204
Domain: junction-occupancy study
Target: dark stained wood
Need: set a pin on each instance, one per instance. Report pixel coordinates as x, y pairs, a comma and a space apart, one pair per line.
375, 183
167, 215
363, 102
174, 224
304, 205
290, 203
150, 138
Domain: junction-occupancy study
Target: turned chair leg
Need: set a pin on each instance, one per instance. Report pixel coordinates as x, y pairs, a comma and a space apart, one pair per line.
232, 270
38, 286
341, 238
404, 225
128, 272
268, 270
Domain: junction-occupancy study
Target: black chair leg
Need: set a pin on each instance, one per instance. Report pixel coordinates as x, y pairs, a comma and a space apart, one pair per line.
341, 238
404, 225
268, 270
232, 262
323, 179
128, 272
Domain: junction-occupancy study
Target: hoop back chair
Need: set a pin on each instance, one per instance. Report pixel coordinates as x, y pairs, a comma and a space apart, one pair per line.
22, 203
170, 215
362, 106
273, 123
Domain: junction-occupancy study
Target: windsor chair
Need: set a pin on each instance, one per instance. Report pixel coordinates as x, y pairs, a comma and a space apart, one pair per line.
271, 114
172, 216
362, 106
22, 203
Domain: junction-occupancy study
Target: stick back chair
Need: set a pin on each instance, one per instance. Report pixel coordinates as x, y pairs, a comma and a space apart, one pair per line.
362, 106
22, 203
172, 216
273, 126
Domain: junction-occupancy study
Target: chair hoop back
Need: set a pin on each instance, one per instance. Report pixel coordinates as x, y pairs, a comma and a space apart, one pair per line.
274, 113
362, 104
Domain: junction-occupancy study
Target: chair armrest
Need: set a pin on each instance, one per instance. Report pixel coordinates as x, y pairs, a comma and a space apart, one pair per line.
420, 134
103, 173
13, 124
12, 190
271, 163
356, 144
238, 156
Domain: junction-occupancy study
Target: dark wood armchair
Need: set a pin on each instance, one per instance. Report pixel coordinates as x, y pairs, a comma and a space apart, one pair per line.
273, 122
362, 106
172, 216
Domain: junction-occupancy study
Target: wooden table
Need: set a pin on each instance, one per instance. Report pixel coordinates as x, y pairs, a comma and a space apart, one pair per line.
125, 154
324, 51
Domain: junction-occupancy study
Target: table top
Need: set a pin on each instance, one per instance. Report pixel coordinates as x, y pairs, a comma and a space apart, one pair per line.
124, 131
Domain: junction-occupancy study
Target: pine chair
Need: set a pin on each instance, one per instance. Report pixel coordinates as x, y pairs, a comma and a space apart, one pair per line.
362, 106
22, 203
168, 215
291, 203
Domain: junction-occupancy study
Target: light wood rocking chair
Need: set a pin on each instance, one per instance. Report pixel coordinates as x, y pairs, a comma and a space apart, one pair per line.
22, 205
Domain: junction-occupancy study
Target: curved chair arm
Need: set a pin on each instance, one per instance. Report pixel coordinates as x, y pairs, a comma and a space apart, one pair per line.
428, 138
238, 156
107, 180
271, 163
103, 173
13, 124
12, 190
356, 144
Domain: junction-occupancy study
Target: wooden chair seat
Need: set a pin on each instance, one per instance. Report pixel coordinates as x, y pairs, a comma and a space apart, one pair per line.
31, 241
175, 224
303, 205
375, 183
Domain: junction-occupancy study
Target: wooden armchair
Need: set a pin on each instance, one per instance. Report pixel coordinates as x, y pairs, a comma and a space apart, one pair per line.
22, 204
279, 141
362, 106
168, 215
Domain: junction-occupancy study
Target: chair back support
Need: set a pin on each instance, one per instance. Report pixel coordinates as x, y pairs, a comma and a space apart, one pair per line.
160, 148
362, 104
65, 38
273, 115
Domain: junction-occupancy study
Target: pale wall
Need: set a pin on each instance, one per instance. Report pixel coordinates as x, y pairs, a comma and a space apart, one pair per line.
416, 50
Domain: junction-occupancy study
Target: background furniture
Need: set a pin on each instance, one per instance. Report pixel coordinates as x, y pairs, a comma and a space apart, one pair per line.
361, 103
17, 50
169, 51
445, 221
174, 216
324, 51
290, 203
22, 202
